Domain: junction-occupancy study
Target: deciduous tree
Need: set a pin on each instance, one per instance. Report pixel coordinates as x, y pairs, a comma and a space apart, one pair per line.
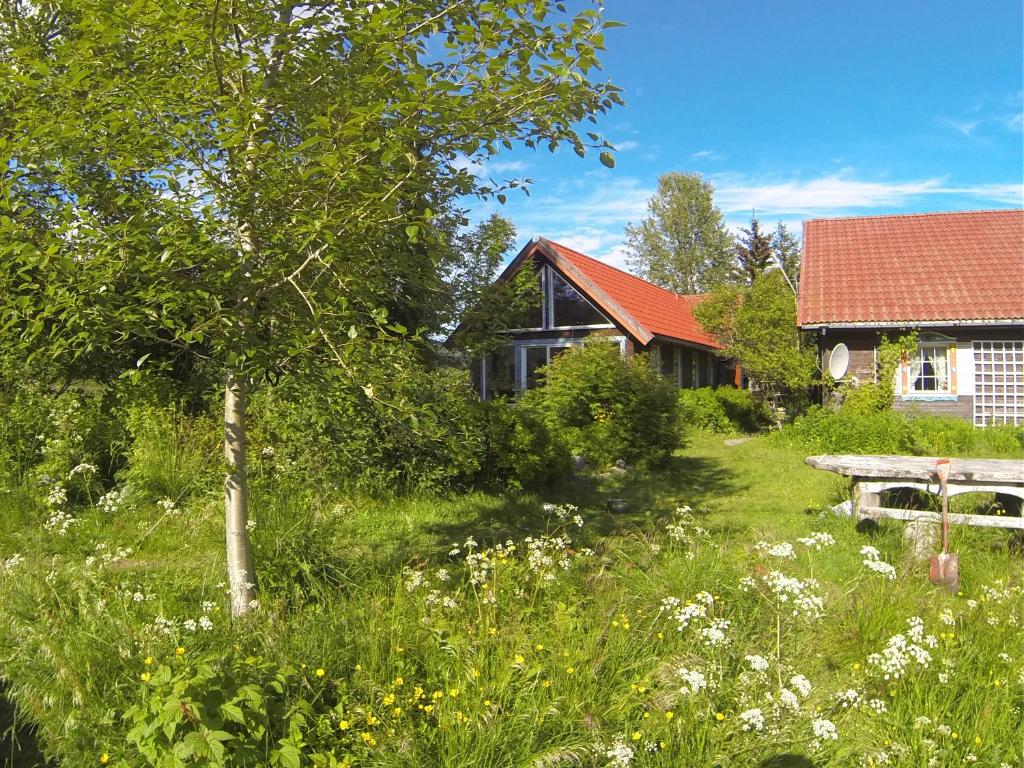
252, 184
682, 244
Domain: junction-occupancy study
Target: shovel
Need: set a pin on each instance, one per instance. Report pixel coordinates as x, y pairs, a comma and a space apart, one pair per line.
944, 568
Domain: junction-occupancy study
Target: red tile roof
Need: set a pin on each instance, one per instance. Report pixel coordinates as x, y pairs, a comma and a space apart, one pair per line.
657, 310
914, 268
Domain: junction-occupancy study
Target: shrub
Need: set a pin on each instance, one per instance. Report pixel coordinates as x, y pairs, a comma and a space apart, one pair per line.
852, 429
848, 430
608, 408
722, 410
520, 450
440, 435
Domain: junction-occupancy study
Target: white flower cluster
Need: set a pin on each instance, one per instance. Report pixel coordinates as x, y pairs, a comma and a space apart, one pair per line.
694, 681
783, 549
57, 497
872, 561
564, 512
171, 627
619, 754
112, 501
59, 522
753, 720
169, 507
683, 530
11, 563
105, 556
684, 615
848, 699
715, 634
800, 598
546, 555
903, 650
802, 685
824, 730
817, 541
757, 663
85, 468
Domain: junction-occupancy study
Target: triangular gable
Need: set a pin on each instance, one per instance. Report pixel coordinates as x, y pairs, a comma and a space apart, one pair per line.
582, 283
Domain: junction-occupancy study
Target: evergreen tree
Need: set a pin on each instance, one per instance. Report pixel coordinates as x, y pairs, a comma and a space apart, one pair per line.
754, 254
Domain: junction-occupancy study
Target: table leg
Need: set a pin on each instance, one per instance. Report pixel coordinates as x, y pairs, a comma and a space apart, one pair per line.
865, 521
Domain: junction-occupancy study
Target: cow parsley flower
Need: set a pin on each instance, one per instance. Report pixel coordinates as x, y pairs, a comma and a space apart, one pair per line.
817, 541
757, 663
694, 681
824, 730
753, 720
802, 685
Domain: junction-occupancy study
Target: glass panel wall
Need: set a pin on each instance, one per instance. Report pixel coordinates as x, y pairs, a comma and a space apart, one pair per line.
570, 308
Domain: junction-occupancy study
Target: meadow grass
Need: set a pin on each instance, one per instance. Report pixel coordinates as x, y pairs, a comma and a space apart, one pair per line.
482, 629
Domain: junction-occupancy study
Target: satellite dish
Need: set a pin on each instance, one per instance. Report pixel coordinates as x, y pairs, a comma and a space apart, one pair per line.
839, 361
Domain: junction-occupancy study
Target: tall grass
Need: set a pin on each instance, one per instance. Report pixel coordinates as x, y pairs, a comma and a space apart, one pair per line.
411, 632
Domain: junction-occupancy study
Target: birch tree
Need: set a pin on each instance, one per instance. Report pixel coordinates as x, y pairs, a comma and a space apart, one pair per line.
246, 184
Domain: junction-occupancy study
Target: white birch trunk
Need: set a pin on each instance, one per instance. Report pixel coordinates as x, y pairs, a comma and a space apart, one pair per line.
241, 578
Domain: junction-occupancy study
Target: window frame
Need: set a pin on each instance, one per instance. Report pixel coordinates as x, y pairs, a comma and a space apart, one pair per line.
930, 347
547, 310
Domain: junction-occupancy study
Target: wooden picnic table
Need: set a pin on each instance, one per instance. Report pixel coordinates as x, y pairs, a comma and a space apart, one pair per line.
872, 475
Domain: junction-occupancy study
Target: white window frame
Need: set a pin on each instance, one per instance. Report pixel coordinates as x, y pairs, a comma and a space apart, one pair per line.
521, 345
932, 343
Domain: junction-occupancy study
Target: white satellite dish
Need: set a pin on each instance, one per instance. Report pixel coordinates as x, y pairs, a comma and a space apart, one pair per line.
839, 361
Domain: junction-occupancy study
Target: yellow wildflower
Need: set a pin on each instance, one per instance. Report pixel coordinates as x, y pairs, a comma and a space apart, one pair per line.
398, 682
368, 739
149, 661
320, 672
388, 699
104, 758
145, 677
344, 725
669, 714
397, 711
179, 651
453, 692
570, 670
637, 735
719, 716
519, 659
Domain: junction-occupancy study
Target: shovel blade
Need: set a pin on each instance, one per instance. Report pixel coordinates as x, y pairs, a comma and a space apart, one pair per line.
944, 571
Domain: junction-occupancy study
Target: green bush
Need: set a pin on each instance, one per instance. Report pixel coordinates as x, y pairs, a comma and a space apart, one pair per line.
426, 430
852, 429
520, 450
606, 407
723, 410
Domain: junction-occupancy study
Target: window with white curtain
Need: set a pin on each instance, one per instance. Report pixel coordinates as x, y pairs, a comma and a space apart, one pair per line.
928, 370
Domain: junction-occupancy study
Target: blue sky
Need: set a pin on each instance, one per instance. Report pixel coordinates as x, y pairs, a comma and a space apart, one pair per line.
797, 109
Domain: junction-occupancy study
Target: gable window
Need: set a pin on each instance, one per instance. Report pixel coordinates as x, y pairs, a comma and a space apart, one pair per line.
930, 372
561, 307
569, 307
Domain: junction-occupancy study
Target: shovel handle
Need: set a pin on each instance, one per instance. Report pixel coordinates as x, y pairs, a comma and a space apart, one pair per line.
942, 471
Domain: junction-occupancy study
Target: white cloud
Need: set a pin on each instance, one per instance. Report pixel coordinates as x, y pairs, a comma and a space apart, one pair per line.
965, 127
625, 146
506, 166
705, 154
839, 193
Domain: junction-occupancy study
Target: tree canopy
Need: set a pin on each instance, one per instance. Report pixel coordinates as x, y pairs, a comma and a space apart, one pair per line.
682, 243
251, 186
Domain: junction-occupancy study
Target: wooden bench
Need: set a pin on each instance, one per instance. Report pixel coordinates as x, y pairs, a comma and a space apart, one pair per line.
873, 475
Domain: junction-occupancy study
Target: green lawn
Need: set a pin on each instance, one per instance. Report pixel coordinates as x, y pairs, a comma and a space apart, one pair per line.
577, 659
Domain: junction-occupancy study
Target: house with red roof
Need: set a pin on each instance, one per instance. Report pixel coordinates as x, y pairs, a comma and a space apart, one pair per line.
581, 298
955, 278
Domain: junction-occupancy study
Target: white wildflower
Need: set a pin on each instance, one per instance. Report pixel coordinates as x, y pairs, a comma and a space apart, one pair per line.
694, 681
753, 720
802, 685
782, 550
878, 706
620, 754
715, 635
789, 699
824, 730
817, 541
757, 663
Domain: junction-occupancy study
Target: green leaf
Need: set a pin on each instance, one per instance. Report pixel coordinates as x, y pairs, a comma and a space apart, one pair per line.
607, 159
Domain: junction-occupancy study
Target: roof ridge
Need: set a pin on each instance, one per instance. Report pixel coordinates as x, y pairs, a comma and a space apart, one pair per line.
621, 271
915, 215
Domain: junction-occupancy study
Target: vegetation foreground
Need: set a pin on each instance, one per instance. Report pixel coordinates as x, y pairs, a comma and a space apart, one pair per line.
726, 618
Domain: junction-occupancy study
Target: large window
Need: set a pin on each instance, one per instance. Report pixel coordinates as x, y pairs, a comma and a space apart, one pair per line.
534, 358
570, 308
560, 305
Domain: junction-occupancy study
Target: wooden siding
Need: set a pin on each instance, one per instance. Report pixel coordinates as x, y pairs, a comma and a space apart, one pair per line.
863, 342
